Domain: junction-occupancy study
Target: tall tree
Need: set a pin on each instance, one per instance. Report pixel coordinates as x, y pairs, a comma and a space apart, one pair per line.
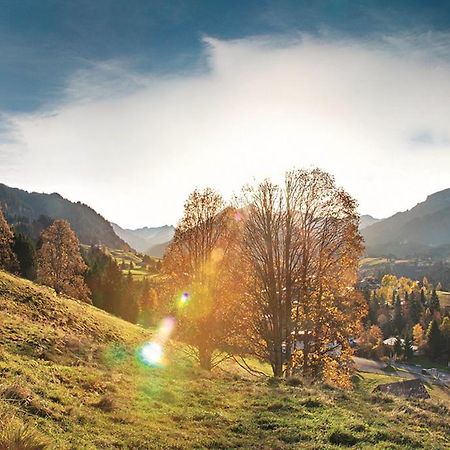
408, 351
25, 252
419, 336
202, 274
8, 260
435, 340
60, 264
435, 305
399, 319
414, 308
302, 245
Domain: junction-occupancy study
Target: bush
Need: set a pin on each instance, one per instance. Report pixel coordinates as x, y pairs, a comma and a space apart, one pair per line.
106, 404
19, 437
294, 381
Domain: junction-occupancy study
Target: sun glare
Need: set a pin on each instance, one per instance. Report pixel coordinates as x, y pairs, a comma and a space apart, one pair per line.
152, 354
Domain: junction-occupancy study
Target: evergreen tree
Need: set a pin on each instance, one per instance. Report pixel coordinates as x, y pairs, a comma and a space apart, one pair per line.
25, 252
434, 340
398, 347
399, 319
435, 305
8, 260
407, 347
414, 309
374, 308
445, 331
423, 298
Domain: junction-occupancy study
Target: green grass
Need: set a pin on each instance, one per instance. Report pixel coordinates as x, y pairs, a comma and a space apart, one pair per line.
427, 363
444, 298
69, 372
371, 262
139, 271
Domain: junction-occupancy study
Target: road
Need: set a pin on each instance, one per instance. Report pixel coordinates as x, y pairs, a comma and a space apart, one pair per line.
404, 370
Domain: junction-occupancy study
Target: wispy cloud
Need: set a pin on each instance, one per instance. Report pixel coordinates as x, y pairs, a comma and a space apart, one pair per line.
133, 145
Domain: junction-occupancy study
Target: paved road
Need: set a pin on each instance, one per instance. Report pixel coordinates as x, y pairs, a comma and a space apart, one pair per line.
405, 370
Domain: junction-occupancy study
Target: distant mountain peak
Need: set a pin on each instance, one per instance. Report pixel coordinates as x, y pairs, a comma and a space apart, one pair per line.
366, 220
149, 240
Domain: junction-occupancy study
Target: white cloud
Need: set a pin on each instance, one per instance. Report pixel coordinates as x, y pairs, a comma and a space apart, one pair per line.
134, 146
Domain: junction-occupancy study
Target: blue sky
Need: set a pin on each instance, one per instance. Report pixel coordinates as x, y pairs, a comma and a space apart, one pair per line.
43, 42
132, 103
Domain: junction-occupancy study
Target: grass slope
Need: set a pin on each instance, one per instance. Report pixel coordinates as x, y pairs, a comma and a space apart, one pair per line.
69, 372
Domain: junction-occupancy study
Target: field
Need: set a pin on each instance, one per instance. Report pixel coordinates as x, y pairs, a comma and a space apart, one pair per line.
444, 298
70, 376
140, 269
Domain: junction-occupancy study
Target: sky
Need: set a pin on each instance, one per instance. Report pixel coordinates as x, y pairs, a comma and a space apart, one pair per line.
128, 106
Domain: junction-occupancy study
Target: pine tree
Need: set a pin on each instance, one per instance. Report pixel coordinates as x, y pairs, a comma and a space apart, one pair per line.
398, 347
414, 309
407, 347
423, 298
445, 331
399, 319
60, 264
25, 252
435, 305
8, 260
435, 340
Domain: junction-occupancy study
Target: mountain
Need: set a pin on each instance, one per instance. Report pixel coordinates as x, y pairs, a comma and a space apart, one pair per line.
423, 231
151, 241
366, 220
30, 212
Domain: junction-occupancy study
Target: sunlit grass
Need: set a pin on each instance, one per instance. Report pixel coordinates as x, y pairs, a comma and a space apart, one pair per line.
72, 373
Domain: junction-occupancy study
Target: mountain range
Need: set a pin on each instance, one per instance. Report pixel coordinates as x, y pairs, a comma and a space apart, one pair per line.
31, 212
422, 231
151, 241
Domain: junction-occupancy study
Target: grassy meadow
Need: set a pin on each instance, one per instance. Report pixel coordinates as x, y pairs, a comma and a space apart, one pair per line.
71, 379
139, 270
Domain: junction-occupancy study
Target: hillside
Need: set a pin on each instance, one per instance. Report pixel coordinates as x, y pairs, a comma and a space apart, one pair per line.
25, 209
147, 240
70, 377
423, 231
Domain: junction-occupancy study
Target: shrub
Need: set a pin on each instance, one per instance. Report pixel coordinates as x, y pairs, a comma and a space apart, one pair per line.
294, 381
19, 437
106, 404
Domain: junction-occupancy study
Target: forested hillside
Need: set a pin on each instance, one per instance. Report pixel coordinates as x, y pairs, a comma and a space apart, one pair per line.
31, 212
423, 231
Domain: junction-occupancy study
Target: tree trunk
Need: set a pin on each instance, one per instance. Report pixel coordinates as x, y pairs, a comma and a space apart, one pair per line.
205, 357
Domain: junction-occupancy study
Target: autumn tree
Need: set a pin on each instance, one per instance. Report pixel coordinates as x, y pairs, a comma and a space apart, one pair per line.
301, 243
8, 260
202, 274
371, 342
419, 338
60, 264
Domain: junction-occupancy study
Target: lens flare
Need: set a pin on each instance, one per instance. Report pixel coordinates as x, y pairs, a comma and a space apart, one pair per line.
152, 354
165, 329
184, 298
